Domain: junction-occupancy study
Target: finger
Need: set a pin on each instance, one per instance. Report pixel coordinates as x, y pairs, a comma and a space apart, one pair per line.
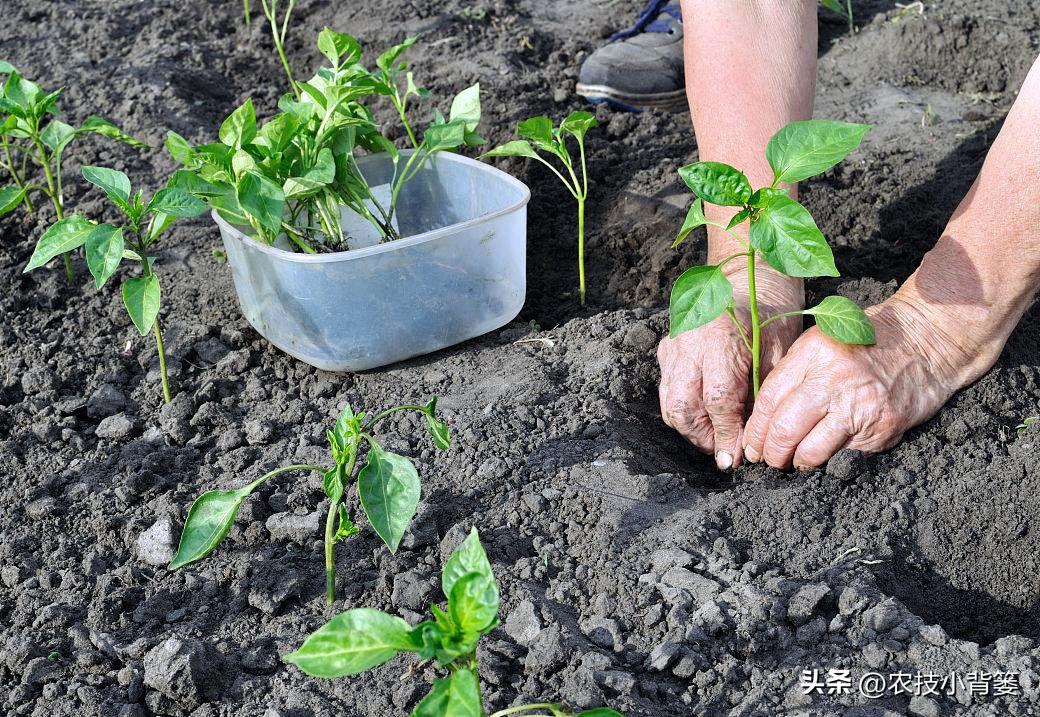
724, 398
827, 438
683, 410
791, 422
785, 378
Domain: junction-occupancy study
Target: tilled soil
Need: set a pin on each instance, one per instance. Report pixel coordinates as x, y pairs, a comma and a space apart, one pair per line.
632, 572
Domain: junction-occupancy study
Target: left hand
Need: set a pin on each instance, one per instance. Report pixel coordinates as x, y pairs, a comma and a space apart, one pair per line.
824, 396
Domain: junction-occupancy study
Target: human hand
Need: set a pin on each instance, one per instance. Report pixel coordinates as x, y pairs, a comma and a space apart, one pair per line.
824, 396
705, 373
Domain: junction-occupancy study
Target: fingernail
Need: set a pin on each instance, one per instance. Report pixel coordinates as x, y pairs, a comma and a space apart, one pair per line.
723, 460
751, 454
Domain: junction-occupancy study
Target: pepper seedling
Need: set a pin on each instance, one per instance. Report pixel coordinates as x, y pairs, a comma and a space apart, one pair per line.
291, 176
363, 638
781, 231
844, 11
30, 132
107, 245
387, 484
540, 134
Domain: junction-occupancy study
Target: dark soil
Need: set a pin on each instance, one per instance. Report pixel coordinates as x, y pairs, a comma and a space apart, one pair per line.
632, 572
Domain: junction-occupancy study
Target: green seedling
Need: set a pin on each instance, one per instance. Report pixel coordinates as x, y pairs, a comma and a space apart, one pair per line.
291, 176
539, 134
387, 484
842, 10
781, 232
33, 138
277, 15
363, 638
107, 245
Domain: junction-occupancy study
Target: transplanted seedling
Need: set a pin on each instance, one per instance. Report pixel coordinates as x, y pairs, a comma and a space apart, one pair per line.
540, 134
781, 232
33, 138
363, 638
843, 10
291, 175
108, 244
387, 484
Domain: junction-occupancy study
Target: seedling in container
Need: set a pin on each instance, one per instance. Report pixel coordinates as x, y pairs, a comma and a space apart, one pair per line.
781, 232
363, 638
387, 483
32, 137
290, 176
540, 134
107, 245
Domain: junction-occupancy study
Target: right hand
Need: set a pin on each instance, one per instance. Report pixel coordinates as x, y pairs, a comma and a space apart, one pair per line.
706, 373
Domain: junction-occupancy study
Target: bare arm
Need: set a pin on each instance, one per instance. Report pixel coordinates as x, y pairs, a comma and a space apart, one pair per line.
750, 70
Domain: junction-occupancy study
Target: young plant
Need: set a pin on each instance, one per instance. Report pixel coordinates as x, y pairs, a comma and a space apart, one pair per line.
290, 176
540, 134
106, 245
278, 20
363, 638
33, 138
387, 484
781, 232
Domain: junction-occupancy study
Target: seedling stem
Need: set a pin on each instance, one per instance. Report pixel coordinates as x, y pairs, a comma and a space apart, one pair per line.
756, 327
278, 33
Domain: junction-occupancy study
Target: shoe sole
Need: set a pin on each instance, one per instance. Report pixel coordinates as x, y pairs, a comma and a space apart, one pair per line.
674, 101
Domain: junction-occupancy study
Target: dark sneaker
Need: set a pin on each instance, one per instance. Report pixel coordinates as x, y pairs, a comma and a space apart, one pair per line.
642, 67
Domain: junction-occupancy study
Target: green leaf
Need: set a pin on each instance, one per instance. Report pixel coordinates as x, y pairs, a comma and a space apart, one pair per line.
177, 203
341, 49
115, 184
388, 60
578, 123
159, 223
438, 429
6, 68
104, 249
141, 297
740, 216
804, 149
263, 200
57, 136
516, 148
717, 183
345, 527
694, 218
179, 148
352, 642
62, 236
540, 131
209, 520
389, 489
473, 603
240, 126
466, 107
101, 126
322, 174
467, 558
600, 712
789, 240
699, 295
447, 136
454, 696
843, 320
332, 483
10, 198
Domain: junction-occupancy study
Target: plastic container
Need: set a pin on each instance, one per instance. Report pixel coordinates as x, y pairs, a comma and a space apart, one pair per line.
459, 272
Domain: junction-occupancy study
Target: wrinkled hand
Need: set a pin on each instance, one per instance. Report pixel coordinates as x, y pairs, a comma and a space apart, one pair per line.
824, 396
706, 373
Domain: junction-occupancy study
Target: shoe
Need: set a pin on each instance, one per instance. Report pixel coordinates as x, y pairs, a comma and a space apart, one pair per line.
642, 67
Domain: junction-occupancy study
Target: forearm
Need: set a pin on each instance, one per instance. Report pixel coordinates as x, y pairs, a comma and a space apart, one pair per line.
984, 271
750, 70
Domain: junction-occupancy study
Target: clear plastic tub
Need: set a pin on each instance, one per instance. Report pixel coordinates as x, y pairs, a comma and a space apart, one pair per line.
459, 272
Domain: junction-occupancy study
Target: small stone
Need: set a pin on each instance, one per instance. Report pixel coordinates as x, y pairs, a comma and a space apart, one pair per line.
523, 624
115, 427
560, 95
846, 464
261, 658
230, 440
105, 401
157, 545
290, 526
804, 602
640, 338
663, 656
11, 575
617, 682
875, 656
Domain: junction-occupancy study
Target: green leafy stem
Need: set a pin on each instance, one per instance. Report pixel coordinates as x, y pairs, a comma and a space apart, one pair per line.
540, 134
363, 638
31, 135
388, 486
781, 232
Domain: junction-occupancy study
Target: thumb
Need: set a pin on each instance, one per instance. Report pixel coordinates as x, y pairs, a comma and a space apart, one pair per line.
725, 390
